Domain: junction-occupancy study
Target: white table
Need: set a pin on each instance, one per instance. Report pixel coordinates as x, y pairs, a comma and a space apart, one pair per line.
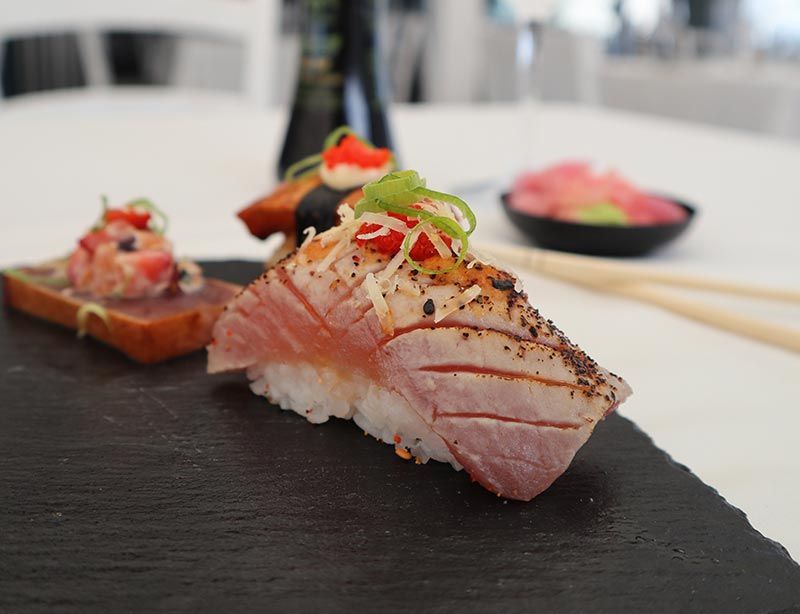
725, 406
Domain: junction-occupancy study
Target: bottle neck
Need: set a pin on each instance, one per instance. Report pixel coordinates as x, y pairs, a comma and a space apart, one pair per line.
340, 45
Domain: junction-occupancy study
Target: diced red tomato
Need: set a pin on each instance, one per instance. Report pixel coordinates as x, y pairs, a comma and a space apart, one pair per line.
390, 244
137, 219
350, 150
92, 240
153, 264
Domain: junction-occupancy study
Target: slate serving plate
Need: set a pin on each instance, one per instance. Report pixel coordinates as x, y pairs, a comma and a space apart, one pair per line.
597, 240
135, 488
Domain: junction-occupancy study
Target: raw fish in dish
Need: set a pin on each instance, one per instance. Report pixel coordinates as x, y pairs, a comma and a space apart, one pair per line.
390, 319
574, 192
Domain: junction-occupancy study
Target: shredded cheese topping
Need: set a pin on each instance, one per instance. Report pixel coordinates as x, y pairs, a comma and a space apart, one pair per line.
373, 290
438, 243
455, 303
385, 220
378, 285
310, 233
408, 287
381, 232
346, 213
391, 267
327, 261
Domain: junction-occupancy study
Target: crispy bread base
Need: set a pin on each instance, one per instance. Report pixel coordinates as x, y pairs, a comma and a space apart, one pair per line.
173, 332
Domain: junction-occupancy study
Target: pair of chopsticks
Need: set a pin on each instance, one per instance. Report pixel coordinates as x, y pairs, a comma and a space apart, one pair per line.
640, 283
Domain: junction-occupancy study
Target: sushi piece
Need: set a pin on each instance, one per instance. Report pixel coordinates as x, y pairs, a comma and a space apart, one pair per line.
123, 286
390, 320
314, 187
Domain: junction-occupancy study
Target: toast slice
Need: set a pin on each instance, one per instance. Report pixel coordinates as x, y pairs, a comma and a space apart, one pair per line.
147, 330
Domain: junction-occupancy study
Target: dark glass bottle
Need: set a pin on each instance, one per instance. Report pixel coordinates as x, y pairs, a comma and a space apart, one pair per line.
341, 80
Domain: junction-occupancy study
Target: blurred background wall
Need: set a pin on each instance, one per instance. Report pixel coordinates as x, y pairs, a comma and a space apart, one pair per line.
734, 63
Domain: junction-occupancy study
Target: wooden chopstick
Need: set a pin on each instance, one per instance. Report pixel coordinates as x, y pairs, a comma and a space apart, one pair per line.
601, 272
636, 282
760, 330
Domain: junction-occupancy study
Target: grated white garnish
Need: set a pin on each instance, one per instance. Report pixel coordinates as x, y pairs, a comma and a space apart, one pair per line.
326, 262
346, 213
438, 243
388, 286
431, 206
373, 290
391, 267
333, 234
385, 220
381, 232
406, 286
455, 303
310, 233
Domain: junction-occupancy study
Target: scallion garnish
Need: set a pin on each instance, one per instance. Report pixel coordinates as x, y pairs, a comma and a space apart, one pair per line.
58, 281
303, 168
85, 311
148, 205
395, 192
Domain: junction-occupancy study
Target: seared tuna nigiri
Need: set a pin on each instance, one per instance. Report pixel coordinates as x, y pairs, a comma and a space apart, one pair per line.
389, 320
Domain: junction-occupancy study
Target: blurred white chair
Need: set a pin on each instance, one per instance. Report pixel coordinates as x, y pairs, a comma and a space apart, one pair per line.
252, 23
452, 55
733, 93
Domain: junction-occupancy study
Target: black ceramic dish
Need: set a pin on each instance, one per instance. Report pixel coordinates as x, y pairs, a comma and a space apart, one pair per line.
594, 239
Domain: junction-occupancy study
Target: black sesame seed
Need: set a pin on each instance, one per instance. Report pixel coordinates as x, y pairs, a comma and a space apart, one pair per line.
502, 284
127, 245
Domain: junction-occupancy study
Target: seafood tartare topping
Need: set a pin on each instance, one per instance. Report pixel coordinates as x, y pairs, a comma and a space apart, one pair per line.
347, 161
401, 218
126, 255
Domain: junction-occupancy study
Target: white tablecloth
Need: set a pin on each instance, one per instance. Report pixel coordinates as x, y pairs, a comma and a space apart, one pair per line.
725, 406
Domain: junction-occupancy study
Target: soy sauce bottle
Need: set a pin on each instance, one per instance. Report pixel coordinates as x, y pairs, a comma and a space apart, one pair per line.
342, 78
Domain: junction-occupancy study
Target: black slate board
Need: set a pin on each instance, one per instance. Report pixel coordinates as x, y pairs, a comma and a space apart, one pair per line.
135, 488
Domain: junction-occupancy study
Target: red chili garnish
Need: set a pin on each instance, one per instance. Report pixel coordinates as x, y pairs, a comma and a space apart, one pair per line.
390, 244
352, 151
92, 240
137, 219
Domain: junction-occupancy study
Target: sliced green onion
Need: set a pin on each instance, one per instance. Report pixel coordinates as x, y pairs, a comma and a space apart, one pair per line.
303, 168
148, 205
453, 200
334, 137
447, 226
101, 221
395, 192
53, 281
91, 309
392, 184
